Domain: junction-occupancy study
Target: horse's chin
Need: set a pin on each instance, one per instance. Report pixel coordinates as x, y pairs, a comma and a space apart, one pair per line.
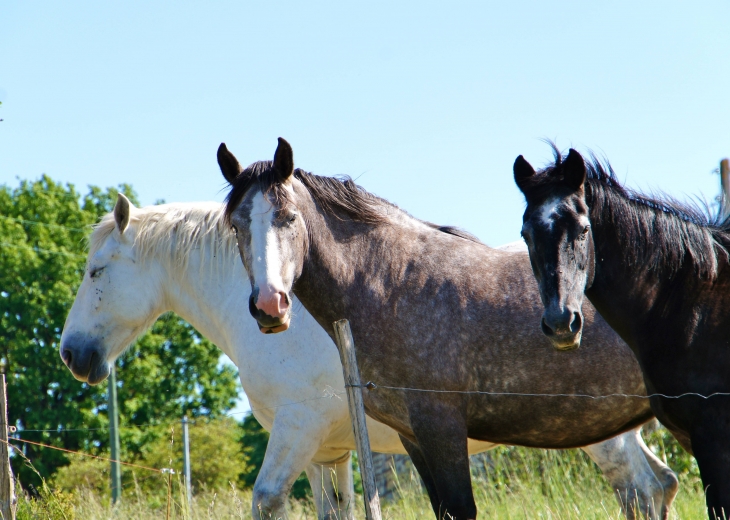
277, 328
566, 342
99, 373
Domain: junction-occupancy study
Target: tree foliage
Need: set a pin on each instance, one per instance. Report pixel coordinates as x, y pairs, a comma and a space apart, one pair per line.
169, 371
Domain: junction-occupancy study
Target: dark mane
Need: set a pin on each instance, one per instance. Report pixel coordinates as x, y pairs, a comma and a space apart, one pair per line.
657, 231
339, 196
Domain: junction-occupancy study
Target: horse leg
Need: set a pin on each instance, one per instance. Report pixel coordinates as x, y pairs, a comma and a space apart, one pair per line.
622, 461
332, 487
414, 452
292, 446
710, 447
439, 425
667, 478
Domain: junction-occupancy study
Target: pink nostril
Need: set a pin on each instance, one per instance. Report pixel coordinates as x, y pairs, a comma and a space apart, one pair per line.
276, 305
283, 301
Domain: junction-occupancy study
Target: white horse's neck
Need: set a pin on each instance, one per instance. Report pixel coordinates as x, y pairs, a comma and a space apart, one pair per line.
203, 279
203, 297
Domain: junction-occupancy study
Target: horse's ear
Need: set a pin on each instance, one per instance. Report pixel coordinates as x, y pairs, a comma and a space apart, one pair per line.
121, 212
574, 170
228, 164
284, 160
522, 171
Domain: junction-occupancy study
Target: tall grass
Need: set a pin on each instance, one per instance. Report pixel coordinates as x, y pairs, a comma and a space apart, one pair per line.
510, 483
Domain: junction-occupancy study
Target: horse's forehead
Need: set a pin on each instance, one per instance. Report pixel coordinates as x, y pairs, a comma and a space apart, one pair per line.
261, 207
556, 207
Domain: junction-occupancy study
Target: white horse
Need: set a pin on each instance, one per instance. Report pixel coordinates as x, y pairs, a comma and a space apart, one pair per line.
144, 262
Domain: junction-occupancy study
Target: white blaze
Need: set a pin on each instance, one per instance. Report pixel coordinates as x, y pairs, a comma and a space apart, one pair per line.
266, 258
549, 211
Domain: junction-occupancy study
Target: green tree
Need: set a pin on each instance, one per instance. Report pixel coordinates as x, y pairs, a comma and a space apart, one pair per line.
169, 371
216, 457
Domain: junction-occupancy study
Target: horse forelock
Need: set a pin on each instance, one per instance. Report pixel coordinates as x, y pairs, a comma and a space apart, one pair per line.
170, 232
656, 230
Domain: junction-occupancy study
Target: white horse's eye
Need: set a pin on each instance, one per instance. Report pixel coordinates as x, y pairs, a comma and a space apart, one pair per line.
96, 271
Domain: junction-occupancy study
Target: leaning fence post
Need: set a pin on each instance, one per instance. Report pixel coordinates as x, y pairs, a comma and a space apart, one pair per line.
7, 486
346, 346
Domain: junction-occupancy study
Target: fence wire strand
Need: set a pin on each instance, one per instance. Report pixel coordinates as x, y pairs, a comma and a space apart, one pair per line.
372, 386
42, 445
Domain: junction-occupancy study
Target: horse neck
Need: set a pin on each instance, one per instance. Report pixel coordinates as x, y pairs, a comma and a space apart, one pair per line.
207, 293
632, 295
346, 258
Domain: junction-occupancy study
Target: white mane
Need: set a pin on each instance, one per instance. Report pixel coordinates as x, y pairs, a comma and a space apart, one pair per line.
169, 232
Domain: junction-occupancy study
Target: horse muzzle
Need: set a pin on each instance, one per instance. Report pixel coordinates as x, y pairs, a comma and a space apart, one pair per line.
85, 359
563, 328
269, 324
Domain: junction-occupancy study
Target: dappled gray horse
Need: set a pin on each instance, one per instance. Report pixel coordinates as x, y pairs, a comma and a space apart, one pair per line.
442, 323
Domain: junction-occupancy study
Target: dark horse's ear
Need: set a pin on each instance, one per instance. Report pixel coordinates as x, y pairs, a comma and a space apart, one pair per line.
574, 170
228, 164
522, 171
284, 160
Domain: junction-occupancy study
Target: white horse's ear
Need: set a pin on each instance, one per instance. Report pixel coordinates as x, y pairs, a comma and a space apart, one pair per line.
121, 212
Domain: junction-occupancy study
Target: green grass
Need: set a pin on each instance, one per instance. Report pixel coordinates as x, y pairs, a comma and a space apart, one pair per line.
515, 484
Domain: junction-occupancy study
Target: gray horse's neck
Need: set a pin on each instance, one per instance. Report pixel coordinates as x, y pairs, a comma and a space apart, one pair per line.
362, 266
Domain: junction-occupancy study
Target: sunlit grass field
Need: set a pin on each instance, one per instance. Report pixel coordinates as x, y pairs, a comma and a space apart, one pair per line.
515, 483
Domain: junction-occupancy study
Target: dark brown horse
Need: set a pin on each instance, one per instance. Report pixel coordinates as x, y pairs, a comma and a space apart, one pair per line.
658, 272
441, 323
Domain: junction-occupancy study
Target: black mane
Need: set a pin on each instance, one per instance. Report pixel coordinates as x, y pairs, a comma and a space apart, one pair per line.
335, 195
657, 231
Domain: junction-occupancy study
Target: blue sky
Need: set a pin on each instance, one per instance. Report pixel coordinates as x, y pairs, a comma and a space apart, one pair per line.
426, 103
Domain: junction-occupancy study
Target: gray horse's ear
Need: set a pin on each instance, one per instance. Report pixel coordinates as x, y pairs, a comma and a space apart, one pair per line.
522, 171
574, 170
228, 164
284, 160
121, 212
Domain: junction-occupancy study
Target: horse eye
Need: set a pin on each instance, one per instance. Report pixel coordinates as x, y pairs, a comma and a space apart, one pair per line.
95, 272
293, 218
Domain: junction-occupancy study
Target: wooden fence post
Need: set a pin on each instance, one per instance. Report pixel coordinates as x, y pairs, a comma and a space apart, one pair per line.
725, 184
7, 485
346, 346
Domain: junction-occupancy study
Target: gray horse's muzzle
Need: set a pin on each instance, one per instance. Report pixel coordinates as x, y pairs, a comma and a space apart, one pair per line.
267, 324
